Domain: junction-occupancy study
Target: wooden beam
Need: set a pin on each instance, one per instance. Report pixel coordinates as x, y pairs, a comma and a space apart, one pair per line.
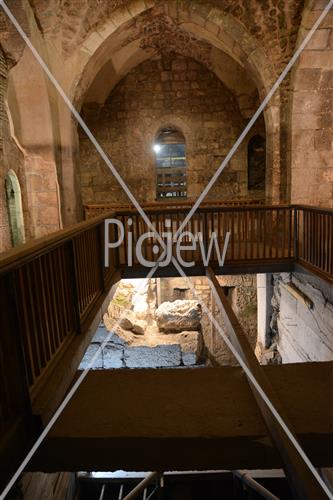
186, 419
301, 479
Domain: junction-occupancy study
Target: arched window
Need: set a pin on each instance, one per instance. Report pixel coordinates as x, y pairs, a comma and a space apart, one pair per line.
14, 206
256, 157
170, 152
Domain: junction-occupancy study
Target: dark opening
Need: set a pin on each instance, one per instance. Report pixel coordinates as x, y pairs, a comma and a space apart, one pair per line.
256, 163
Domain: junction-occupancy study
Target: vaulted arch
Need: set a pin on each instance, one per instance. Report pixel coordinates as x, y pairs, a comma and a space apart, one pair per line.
213, 38
14, 208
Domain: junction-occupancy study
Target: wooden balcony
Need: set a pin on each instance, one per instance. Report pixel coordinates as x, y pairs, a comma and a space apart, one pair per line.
262, 238
93, 210
52, 288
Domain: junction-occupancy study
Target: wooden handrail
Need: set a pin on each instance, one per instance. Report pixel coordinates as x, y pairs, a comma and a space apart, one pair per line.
188, 201
22, 254
203, 209
311, 208
91, 210
166, 206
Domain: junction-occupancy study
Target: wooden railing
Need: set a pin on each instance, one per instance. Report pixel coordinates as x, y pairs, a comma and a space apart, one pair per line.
56, 282
14, 398
258, 233
51, 288
93, 210
315, 240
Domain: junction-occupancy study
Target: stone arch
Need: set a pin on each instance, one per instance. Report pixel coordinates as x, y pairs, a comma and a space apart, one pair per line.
311, 114
171, 121
14, 208
215, 27
172, 91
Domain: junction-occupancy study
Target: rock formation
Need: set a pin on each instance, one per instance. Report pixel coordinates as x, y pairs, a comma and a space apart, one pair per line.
178, 316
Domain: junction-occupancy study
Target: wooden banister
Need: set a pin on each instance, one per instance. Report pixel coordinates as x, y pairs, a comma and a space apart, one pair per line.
315, 240
92, 210
258, 233
19, 255
59, 280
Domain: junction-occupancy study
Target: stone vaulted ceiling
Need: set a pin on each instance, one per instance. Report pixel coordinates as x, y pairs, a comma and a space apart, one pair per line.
274, 23
163, 35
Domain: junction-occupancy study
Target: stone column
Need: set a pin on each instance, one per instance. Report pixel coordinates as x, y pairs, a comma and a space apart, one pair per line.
264, 297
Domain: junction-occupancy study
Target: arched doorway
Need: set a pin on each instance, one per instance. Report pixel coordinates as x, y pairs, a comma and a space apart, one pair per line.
14, 207
256, 160
170, 161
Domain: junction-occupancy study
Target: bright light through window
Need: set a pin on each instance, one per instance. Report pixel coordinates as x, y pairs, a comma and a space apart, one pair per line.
170, 153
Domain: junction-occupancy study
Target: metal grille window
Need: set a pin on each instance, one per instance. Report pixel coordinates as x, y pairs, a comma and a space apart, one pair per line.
170, 151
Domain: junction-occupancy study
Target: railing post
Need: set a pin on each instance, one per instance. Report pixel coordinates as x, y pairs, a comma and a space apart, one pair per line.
295, 233
17, 331
73, 286
205, 231
17, 424
101, 245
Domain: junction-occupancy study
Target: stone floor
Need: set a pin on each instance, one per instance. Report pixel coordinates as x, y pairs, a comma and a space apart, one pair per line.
152, 350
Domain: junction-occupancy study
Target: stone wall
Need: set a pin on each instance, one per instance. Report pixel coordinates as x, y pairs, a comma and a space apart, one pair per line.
11, 158
29, 139
302, 318
34, 111
242, 293
166, 91
312, 114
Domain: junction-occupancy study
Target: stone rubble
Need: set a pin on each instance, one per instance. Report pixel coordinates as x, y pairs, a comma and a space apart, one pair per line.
131, 322
135, 339
178, 316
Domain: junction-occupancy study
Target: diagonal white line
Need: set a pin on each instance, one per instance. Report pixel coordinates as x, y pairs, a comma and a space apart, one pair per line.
255, 117
252, 379
130, 195
82, 123
65, 402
